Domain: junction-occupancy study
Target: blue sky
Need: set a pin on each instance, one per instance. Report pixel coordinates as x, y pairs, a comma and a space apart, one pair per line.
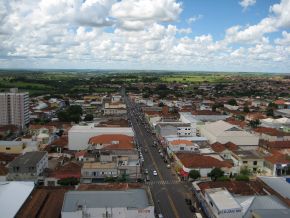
208, 35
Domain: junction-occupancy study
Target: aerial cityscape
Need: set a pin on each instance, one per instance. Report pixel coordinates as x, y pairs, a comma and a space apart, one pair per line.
145, 108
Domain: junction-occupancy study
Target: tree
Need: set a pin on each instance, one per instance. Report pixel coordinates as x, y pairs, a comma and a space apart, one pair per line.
254, 123
246, 109
270, 112
215, 173
194, 174
232, 102
89, 117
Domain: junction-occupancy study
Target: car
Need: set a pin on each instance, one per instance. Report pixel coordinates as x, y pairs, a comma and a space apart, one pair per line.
168, 166
146, 171
147, 178
155, 173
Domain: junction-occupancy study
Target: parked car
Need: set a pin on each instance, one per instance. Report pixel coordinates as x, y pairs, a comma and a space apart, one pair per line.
146, 171
155, 173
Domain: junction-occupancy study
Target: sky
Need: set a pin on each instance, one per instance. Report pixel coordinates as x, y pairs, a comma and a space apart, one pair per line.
192, 35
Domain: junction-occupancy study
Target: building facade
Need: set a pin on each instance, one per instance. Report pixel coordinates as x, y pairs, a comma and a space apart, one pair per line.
14, 108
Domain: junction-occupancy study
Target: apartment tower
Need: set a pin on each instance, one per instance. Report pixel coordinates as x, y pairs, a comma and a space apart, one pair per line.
14, 108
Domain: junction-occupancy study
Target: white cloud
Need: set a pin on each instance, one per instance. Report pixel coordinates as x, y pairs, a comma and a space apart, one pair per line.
285, 40
247, 3
194, 18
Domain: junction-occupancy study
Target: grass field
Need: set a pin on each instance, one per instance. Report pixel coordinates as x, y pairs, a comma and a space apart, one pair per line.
183, 78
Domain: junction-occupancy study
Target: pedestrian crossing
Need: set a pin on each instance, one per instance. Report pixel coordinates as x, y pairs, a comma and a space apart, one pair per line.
163, 182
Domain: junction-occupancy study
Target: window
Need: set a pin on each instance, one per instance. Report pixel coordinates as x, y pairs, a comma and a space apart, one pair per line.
182, 148
254, 169
255, 162
8, 148
245, 162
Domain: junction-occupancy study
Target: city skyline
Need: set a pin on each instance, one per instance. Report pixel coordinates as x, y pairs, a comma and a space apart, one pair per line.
239, 35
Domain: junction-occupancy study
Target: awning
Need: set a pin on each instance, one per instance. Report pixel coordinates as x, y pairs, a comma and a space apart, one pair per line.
183, 173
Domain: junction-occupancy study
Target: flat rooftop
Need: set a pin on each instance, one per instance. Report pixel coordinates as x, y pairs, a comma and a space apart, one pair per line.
223, 199
28, 159
99, 165
132, 198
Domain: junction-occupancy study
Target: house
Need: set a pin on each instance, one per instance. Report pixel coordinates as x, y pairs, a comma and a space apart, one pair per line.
277, 164
275, 145
282, 124
281, 104
28, 166
270, 134
133, 203
208, 116
224, 150
183, 146
12, 147
224, 132
249, 159
202, 163
79, 135
66, 171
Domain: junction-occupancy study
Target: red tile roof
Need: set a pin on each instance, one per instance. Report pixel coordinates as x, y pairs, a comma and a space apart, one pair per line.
113, 141
279, 102
277, 145
271, 131
235, 187
278, 157
68, 170
239, 123
201, 161
178, 142
61, 142
218, 147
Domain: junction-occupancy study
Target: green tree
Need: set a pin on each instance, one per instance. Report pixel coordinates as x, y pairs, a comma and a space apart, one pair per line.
270, 112
246, 109
215, 174
194, 174
89, 117
232, 102
254, 123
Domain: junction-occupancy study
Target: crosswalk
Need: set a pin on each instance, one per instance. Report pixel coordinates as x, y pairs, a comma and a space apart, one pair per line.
163, 182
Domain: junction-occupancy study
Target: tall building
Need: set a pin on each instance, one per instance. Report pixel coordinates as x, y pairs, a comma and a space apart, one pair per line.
14, 108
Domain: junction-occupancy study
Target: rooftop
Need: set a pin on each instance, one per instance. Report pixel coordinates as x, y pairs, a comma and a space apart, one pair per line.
222, 199
247, 154
190, 160
113, 141
132, 198
278, 184
99, 165
28, 159
44, 202
12, 196
235, 187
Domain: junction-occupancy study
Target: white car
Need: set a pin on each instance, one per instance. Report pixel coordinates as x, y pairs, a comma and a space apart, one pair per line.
154, 173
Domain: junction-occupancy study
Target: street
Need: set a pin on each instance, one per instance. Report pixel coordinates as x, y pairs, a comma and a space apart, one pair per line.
168, 192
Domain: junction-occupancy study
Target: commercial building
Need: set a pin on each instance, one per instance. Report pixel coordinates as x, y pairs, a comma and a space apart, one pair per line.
131, 203
14, 108
79, 136
12, 197
224, 132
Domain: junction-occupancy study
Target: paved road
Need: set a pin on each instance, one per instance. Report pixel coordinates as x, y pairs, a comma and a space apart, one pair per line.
168, 192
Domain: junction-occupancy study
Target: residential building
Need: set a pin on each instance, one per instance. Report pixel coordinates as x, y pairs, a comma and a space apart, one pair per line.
131, 203
282, 112
17, 147
270, 134
183, 146
28, 166
224, 132
14, 108
277, 164
249, 159
202, 163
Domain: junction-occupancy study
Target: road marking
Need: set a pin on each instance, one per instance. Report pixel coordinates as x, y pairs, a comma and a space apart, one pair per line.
168, 195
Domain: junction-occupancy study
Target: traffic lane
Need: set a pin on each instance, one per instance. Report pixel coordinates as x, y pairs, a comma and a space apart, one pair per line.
180, 193
162, 201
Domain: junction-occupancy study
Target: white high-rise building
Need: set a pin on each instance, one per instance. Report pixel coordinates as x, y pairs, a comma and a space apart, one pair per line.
14, 108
